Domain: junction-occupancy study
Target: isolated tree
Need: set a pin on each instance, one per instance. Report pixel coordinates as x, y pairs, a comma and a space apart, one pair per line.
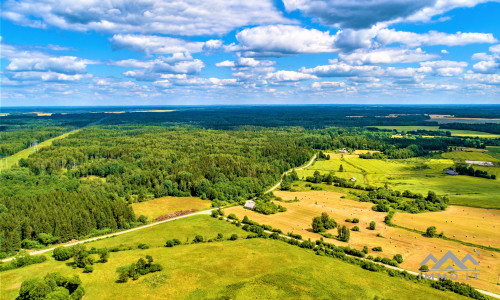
341, 168
431, 231
373, 225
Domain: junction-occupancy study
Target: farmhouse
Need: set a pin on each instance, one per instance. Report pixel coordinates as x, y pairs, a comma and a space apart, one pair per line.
451, 172
352, 179
344, 151
250, 204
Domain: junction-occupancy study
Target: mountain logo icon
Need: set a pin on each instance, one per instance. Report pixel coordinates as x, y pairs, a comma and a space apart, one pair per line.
449, 256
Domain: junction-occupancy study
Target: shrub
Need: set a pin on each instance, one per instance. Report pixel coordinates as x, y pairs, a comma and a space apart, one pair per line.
379, 249
171, 243
398, 258
52, 286
365, 250
88, 269
198, 239
233, 237
424, 268
143, 246
142, 219
62, 253
355, 220
355, 228
232, 216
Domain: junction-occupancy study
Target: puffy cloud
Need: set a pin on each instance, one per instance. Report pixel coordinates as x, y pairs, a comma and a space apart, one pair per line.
490, 79
486, 66
490, 63
446, 68
289, 76
26, 65
154, 44
341, 69
154, 69
279, 40
357, 14
412, 39
46, 76
186, 17
245, 62
385, 56
62, 64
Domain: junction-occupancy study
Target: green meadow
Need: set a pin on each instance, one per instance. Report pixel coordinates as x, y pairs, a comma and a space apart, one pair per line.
454, 132
420, 175
242, 269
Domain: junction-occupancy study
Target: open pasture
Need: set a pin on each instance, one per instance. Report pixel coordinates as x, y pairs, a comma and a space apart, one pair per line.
164, 205
412, 246
469, 155
454, 132
243, 269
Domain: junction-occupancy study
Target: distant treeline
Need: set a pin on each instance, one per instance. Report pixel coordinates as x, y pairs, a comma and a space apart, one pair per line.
486, 127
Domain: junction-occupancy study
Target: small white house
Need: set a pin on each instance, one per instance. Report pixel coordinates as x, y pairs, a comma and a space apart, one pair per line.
344, 151
250, 204
352, 179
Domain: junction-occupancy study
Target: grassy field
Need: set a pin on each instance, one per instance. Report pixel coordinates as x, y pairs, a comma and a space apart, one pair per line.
419, 175
13, 159
412, 246
243, 269
164, 205
454, 132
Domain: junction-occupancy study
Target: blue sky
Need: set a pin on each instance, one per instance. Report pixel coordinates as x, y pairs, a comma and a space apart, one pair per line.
149, 52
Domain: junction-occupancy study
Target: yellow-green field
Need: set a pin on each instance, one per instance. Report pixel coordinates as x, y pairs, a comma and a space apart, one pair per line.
454, 132
164, 205
242, 269
13, 159
418, 175
411, 245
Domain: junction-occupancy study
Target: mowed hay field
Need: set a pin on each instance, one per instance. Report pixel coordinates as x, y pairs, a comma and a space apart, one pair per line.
412, 246
473, 225
242, 269
164, 205
418, 175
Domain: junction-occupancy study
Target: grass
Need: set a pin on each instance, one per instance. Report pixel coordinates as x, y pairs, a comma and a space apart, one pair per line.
183, 229
454, 132
12, 161
164, 205
411, 245
243, 269
464, 155
420, 175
